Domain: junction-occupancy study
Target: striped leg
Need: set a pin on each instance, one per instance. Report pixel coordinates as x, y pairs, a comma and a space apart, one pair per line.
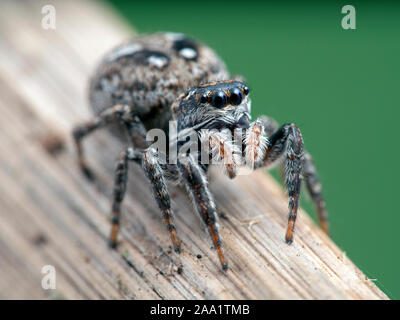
154, 173
312, 181
196, 182
286, 142
294, 166
121, 178
314, 188
118, 112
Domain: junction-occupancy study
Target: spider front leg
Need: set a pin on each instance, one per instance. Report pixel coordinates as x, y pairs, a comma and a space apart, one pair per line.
151, 166
119, 112
286, 142
197, 185
288, 139
311, 179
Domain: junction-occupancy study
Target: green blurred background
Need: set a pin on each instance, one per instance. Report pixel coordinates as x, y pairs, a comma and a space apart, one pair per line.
341, 87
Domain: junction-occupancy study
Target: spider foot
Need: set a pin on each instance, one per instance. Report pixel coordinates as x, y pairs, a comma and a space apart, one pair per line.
112, 244
178, 249
289, 236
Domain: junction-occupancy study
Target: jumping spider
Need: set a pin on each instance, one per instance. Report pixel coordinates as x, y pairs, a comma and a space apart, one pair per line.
147, 82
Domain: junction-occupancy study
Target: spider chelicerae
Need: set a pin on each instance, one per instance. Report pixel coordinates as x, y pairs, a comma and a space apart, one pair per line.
151, 80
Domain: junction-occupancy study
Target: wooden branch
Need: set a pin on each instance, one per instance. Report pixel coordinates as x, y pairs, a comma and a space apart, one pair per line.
51, 215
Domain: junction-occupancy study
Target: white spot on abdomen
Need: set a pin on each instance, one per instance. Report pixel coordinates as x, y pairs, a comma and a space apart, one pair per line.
188, 53
158, 61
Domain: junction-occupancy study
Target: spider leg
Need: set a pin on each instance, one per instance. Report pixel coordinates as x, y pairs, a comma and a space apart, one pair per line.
311, 179
150, 164
287, 141
314, 188
155, 175
293, 170
121, 178
196, 182
136, 132
118, 112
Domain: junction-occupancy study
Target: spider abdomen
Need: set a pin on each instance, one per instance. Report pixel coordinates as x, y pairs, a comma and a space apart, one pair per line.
150, 72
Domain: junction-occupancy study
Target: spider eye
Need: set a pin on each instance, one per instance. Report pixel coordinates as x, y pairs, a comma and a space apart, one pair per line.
203, 98
246, 90
236, 97
219, 99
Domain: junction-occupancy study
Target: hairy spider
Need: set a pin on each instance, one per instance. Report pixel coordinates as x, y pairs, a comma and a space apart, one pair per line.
145, 83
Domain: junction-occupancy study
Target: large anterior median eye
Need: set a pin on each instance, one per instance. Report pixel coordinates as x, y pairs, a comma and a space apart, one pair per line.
236, 97
219, 99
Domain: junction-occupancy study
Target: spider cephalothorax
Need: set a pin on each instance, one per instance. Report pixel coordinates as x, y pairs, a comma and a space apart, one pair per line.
217, 105
150, 81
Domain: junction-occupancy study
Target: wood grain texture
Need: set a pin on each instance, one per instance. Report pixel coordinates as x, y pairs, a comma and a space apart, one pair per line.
51, 215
